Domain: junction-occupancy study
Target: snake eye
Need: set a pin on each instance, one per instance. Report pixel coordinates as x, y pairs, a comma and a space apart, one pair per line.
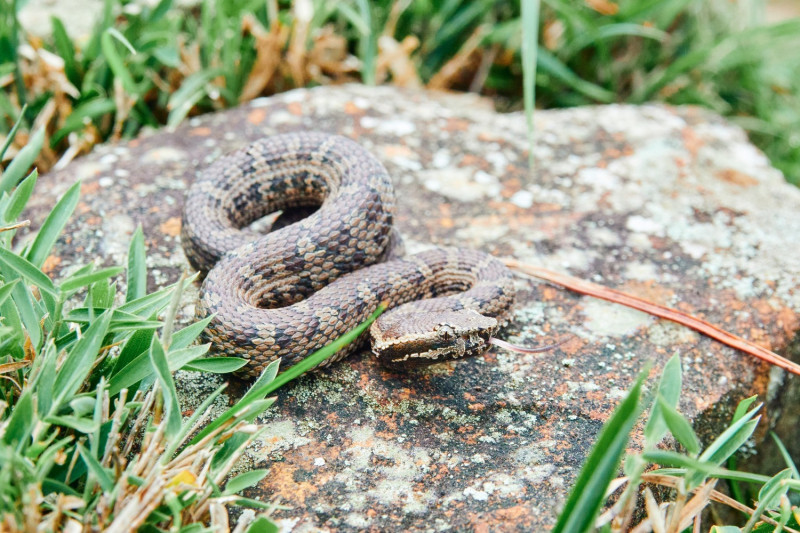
445, 332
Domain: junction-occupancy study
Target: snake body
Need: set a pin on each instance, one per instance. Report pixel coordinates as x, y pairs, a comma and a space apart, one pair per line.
291, 291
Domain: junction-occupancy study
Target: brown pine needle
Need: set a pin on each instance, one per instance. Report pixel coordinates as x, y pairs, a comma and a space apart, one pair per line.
598, 291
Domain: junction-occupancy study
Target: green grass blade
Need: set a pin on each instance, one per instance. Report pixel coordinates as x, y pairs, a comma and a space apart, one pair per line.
188, 94
13, 132
89, 110
263, 387
720, 449
19, 198
78, 362
140, 367
24, 159
530, 54
742, 407
96, 469
612, 31
11, 262
115, 62
549, 64
172, 409
588, 494
66, 50
53, 226
19, 425
216, 365
244, 481
680, 428
669, 388
137, 268
182, 338
5, 289
768, 497
76, 282
367, 44
785, 454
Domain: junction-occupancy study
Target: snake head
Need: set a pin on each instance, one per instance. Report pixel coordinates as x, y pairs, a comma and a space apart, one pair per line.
409, 339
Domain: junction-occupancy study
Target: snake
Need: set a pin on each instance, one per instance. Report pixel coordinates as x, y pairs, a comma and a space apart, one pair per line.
285, 293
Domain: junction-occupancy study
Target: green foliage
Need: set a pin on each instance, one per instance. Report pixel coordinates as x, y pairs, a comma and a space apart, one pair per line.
692, 474
77, 392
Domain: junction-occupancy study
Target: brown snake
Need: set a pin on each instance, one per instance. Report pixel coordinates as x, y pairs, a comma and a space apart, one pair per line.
291, 291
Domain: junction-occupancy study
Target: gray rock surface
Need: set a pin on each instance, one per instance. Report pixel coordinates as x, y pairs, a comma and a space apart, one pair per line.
671, 204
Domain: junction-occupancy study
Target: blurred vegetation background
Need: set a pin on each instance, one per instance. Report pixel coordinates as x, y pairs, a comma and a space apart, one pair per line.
146, 64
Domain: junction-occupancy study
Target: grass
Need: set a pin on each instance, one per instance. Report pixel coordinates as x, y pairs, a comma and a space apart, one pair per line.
92, 435
691, 475
149, 66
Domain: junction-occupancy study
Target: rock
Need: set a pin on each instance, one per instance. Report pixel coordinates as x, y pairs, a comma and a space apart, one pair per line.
671, 204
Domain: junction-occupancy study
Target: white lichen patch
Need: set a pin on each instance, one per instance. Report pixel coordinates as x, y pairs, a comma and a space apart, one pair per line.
463, 184
385, 472
665, 333
280, 435
611, 320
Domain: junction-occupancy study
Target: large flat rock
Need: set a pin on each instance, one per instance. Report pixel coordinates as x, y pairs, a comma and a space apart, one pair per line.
671, 204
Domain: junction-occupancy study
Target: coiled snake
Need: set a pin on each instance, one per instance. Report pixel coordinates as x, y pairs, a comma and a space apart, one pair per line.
289, 292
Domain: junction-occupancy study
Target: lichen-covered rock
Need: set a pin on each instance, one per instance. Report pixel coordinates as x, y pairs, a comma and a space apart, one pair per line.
671, 204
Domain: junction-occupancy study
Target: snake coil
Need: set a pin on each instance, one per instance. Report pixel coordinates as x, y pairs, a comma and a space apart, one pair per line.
291, 291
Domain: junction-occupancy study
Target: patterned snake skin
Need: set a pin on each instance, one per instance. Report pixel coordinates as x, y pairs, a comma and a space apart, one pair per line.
289, 292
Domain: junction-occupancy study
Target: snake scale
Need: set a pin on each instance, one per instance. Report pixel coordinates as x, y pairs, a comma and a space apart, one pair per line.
287, 293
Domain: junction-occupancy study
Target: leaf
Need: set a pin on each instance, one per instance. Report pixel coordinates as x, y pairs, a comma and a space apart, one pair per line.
680, 428
742, 407
24, 159
80, 424
19, 198
216, 365
191, 90
96, 469
45, 379
140, 367
244, 481
172, 409
65, 50
669, 388
530, 50
787, 458
137, 268
137, 344
731, 439
153, 302
20, 424
84, 114
23, 268
551, 65
769, 496
5, 290
588, 494
184, 337
366, 44
115, 61
13, 133
262, 524
79, 361
76, 282
610, 31
53, 226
